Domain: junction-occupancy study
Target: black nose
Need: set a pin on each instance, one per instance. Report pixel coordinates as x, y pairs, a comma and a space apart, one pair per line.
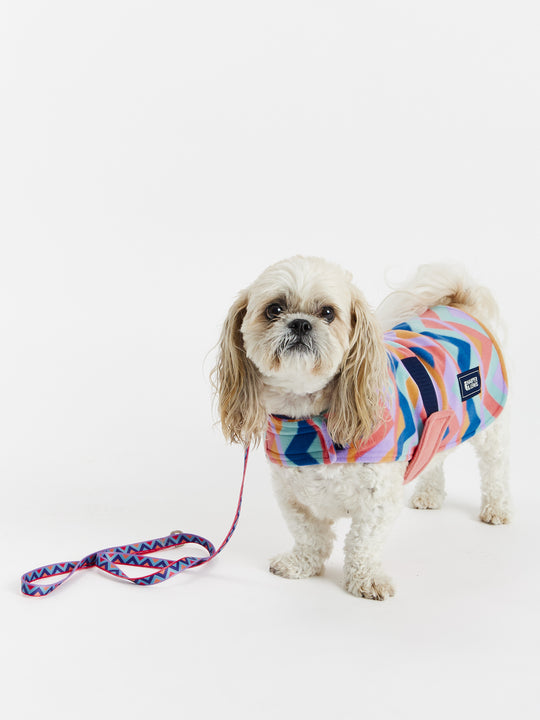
300, 326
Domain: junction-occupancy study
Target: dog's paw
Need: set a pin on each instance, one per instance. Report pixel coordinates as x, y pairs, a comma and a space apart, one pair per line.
428, 500
296, 566
495, 515
373, 588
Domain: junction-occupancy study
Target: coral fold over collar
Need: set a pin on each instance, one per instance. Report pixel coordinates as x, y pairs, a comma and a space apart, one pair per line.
447, 382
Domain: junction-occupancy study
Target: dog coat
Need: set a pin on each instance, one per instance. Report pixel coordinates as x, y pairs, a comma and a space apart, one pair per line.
447, 382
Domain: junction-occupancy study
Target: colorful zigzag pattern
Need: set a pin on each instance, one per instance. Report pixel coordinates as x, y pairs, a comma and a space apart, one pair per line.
137, 554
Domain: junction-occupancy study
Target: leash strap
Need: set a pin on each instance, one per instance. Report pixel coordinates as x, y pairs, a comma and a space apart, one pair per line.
134, 555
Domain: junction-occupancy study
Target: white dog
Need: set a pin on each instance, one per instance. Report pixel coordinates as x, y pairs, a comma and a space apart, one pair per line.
304, 362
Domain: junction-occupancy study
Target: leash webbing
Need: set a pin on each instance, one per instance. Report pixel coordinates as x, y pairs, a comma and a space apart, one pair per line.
135, 555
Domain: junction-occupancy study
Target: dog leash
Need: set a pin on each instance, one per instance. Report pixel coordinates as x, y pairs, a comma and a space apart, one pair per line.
135, 555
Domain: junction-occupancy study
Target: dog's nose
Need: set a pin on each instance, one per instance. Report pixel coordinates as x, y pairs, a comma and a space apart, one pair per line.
300, 326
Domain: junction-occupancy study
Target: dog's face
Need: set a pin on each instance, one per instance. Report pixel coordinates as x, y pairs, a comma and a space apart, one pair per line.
297, 325
300, 329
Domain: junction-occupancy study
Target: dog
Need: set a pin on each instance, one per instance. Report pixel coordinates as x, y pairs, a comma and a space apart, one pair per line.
354, 403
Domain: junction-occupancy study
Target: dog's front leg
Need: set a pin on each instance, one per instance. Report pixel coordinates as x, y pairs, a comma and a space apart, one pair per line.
372, 517
313, 536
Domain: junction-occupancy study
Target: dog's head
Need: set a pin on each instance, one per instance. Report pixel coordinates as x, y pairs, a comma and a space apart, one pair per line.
302, 328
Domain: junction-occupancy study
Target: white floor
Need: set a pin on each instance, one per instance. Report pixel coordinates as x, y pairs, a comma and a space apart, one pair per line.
231, 640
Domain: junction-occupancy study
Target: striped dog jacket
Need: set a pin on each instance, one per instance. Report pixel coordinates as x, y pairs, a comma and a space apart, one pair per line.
447, 382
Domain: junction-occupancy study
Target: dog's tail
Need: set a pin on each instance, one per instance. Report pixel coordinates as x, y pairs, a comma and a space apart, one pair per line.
439, 284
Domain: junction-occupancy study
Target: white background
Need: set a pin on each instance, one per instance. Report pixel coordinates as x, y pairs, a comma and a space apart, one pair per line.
155, 157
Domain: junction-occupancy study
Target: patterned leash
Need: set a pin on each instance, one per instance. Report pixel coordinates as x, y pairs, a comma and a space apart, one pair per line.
135, 555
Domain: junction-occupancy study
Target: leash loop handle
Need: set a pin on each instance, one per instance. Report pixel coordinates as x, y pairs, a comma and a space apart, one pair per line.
110, 560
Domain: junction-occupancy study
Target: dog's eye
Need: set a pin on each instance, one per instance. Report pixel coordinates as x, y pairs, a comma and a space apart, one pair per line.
327, 313
274, 310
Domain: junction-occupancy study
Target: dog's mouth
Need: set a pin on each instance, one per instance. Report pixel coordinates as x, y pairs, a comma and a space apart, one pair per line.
297, 345
300, 353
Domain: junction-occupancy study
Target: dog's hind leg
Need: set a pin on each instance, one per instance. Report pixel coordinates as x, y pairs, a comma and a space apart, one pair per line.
491, 446
429, 492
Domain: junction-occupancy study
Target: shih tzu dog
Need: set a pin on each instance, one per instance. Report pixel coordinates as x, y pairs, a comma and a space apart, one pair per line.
353, 404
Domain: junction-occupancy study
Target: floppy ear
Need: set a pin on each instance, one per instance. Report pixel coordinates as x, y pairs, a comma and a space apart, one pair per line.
358, 401
237, 382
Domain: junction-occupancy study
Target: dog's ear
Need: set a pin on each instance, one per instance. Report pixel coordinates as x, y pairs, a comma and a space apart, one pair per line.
357, 404
237, 382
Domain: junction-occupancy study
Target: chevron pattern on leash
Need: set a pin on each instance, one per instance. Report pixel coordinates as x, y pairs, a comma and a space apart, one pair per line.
133, 555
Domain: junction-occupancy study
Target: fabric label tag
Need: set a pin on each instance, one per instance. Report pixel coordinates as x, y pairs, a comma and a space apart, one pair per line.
469, 383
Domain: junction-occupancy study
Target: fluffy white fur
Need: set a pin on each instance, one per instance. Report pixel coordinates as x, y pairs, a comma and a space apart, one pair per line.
340, 366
